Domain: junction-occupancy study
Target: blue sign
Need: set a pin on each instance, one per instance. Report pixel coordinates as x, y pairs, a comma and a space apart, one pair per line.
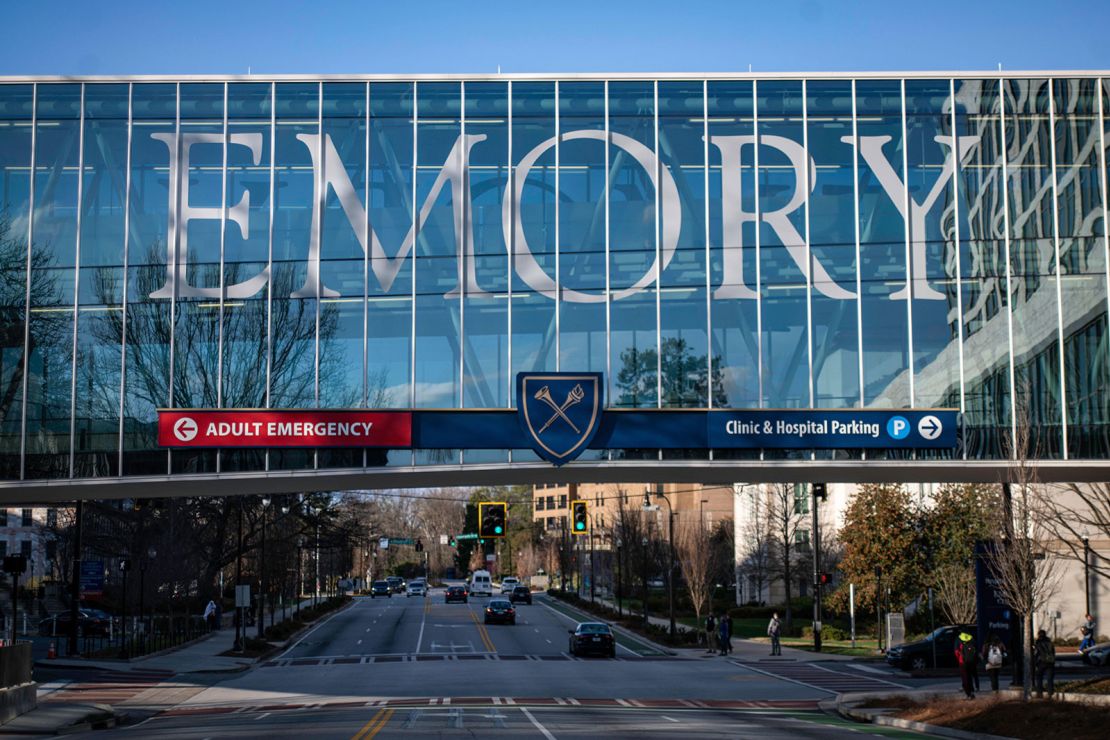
559, 412
92, 578
831, 429
992, 615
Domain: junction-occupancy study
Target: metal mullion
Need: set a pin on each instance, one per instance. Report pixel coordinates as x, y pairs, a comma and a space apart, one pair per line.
1059, 287
223, 285
123, 307
1006, 247
859, 260
658, 262
460, 265
27, 276
608, 257
510, 193
321, 199
909, 262
809, 246
758, 245
708, 285
76, 278
366, 272
415, 251
558, 248
959, 268
1104, 180
270, 257
175, 190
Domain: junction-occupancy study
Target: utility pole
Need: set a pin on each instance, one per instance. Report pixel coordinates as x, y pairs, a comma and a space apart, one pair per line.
1087, 574
262, 572
240, 628
819, 494
75, 585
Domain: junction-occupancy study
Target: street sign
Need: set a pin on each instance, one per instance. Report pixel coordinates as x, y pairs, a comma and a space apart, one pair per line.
383, 543
401, 541
92, 579
242, 596
466, 537
491, 557
443, 539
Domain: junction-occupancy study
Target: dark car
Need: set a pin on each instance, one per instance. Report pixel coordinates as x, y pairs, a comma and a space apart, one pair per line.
89, 622
592, 638
381, 588
500, 610
397, 584
455, 593
521, 594
918, 656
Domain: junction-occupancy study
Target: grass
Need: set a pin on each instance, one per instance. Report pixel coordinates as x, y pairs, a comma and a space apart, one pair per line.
1099, 685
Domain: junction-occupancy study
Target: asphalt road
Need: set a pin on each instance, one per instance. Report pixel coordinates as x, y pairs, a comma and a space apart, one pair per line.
414, 667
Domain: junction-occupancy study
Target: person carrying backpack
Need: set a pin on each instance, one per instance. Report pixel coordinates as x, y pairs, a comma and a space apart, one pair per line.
1088, 630
994, 655
1044, 660
710, 633
966, 657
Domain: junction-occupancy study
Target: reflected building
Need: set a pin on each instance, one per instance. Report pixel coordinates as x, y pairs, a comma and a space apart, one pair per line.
733, 242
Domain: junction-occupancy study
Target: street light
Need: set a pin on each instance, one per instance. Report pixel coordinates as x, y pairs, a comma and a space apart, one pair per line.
262, 572
670, 568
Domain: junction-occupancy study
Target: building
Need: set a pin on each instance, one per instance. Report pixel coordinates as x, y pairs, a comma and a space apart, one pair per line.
551, 502
726, 242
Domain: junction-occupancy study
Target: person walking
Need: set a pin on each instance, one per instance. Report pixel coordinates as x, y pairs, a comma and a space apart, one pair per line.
774, 631
1088, 630
722, 634
728, 643
210, 616
965, 657
994, 655
1044, 658
710, 633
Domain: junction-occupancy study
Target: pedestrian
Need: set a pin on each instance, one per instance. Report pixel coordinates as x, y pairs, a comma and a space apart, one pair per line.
728, 642
774, 631
994, 655
710, 633
1044, 659
722, 634
965, 657
210, 616
1088, 631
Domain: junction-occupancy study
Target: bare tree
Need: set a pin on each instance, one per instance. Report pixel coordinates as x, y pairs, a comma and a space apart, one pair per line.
695, 558
753, 551
1078, 513
955, 584
785, 514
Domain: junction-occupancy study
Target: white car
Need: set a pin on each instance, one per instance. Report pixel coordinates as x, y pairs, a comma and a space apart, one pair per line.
508, 584
416, 588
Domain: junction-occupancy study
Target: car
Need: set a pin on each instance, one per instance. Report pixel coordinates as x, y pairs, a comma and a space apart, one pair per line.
480, 583
90, 622
455, 593
508, 584
592, 638
500, 610
381, 588
397, 584
521, 594
416, 588
1099, 654
918, 655
656, 582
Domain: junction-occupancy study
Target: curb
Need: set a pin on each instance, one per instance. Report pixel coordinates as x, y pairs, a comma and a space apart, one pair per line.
105, 718
845, 708
1068, 697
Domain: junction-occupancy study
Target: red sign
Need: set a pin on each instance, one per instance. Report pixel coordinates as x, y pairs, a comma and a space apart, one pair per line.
308, 428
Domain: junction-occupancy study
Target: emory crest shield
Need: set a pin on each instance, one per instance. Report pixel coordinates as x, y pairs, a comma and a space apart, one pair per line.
560, 412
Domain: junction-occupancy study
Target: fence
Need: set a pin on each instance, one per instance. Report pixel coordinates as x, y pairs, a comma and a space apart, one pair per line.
15, 665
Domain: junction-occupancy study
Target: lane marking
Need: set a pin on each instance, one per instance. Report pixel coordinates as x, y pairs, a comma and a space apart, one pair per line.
669, 719
323, 621
375, 725
536, 722
483, 633
423, 619
622, 647
264, 715
359, 642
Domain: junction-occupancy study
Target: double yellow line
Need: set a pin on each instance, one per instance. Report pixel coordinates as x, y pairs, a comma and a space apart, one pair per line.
375, 725
483, 633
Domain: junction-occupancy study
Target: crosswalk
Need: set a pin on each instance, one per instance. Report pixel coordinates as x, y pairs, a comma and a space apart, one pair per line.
108, 686
819, 677
426, 657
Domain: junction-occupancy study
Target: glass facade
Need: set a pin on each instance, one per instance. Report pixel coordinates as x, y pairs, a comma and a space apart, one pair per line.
886, 242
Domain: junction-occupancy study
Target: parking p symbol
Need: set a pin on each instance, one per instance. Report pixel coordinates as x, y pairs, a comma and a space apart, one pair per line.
898, 427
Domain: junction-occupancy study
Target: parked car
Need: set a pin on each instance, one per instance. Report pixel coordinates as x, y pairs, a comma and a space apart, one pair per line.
521, 594
918, 655
397, 584
500, 610
381, 588
455, 593
90, 622
592, 637
1099, 654
508, 584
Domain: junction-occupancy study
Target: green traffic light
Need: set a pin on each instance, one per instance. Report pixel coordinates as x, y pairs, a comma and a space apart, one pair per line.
497, 529
579, 525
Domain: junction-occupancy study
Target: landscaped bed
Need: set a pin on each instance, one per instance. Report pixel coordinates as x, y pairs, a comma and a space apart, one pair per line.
1034, 720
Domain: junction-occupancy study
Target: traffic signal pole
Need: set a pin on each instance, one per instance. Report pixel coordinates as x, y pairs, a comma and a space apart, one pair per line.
818, 494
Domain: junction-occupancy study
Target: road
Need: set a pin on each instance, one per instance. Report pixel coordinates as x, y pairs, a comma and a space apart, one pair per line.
414, 667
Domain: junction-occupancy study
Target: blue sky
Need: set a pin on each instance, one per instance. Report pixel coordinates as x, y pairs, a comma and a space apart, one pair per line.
429, 36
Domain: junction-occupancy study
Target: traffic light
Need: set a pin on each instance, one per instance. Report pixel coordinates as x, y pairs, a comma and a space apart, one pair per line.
419, 546
491, 519
579, 523
820, 491
825, 578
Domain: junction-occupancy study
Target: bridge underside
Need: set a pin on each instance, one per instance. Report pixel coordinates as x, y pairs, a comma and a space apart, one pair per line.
640, 471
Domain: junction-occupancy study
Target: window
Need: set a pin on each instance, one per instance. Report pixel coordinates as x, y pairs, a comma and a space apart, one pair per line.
539, 503
25, 548
801, 540
51, 518
28, 518
3, 517
3, 548
551, 503
562, 501
801, 499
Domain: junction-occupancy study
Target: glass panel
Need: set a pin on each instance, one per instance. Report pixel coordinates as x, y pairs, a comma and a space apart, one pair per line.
15, 196
100, 308
1080, 193
49, 367
1033, 279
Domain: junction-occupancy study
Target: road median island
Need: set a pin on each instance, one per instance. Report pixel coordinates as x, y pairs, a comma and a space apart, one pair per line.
988, 716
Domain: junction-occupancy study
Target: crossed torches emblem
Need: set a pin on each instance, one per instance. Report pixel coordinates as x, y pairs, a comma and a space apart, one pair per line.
575, 396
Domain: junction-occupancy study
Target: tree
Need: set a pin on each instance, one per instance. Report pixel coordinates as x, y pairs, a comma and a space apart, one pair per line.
1079, 512
753, 555
785, 512
684, 377
696, 561
880, 532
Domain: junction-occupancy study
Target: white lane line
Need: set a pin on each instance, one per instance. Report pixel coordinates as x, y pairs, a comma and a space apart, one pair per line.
669, 719
323, 621
264, 715
367, 629
420, 637
868, 668
575, 622
359, 642
536, 722
548, 641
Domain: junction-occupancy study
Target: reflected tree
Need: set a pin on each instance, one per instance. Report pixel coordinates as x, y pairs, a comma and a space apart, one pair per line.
684, 377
